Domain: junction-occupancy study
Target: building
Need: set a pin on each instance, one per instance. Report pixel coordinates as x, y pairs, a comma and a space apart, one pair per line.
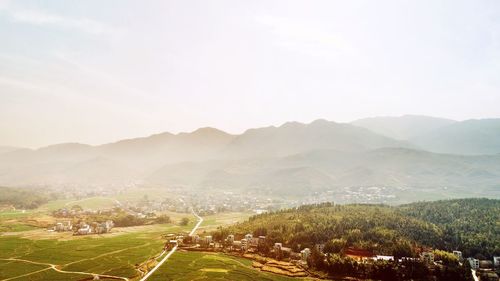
262, 240
84, 230
208, 239
248, 237
496, 262
474, 263
278, 246
244, 244
63, 226
359, 254
230, 239
304, 254
104, 227
385, 258
427, 257
458, 254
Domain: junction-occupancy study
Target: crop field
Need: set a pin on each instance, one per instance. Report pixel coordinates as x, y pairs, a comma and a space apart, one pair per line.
213, 221
212, 266
114, 254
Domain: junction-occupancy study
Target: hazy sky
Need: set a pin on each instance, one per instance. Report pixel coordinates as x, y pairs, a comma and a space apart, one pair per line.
97, 71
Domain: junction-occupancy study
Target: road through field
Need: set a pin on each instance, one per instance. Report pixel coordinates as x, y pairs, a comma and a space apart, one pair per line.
54, 267
200, 221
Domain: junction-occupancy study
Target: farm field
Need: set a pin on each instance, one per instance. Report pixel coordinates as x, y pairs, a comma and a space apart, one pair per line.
184, 266
211, 222
28, 251
114, 254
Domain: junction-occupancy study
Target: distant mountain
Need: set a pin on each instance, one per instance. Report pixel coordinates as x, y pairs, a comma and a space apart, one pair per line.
5, 149
404, 127
324, 170
294, 137
133, 158
467, 137
294, 159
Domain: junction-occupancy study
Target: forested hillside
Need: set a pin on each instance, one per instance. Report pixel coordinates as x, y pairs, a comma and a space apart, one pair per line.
23, 198
471, 225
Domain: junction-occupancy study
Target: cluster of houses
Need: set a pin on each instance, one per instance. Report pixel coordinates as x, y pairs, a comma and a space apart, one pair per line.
83, 228
486, 270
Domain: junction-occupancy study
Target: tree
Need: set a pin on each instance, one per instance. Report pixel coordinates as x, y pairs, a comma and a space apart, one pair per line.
184, 221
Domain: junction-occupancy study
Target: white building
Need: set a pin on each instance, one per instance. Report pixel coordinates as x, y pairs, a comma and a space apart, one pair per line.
458, 254
84, 230
496, 261
304, 254
474, 263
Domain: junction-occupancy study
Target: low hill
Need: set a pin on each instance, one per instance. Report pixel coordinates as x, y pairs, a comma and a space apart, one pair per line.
399, 231
471, 225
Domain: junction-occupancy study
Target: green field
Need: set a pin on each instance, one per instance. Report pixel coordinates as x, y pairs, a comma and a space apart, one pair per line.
212, 266
106, 254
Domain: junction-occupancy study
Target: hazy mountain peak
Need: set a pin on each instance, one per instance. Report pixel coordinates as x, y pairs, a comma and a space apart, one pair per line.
206, 131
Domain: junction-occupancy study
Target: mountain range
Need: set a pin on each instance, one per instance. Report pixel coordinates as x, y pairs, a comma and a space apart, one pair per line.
415, 152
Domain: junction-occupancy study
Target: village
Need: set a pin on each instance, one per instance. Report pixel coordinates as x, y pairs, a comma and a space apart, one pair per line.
277, 258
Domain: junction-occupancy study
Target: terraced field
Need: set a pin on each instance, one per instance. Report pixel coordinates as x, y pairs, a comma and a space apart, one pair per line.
184, 266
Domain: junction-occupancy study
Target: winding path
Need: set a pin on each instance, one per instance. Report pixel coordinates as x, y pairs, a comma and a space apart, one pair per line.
54, 267
200, 221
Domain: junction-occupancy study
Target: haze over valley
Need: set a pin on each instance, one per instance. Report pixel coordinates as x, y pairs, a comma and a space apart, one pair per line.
429, 156
274, 140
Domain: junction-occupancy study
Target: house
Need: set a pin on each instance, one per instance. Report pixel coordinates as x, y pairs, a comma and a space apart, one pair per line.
278, 246
84, 230
496, 262
208, 239
104, 227
385, 258
63, 226
253, 243
170, 244
474, 263
248, 236
244, 244
458, 254
262, 240
304, 254
359, 254
427, 257
230, 239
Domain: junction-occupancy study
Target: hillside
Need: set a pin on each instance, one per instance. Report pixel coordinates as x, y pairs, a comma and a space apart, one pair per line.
399, 231
471, 225
446, 176
404, 127
468, 137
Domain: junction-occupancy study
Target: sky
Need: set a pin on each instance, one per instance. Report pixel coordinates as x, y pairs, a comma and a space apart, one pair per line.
99, 71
